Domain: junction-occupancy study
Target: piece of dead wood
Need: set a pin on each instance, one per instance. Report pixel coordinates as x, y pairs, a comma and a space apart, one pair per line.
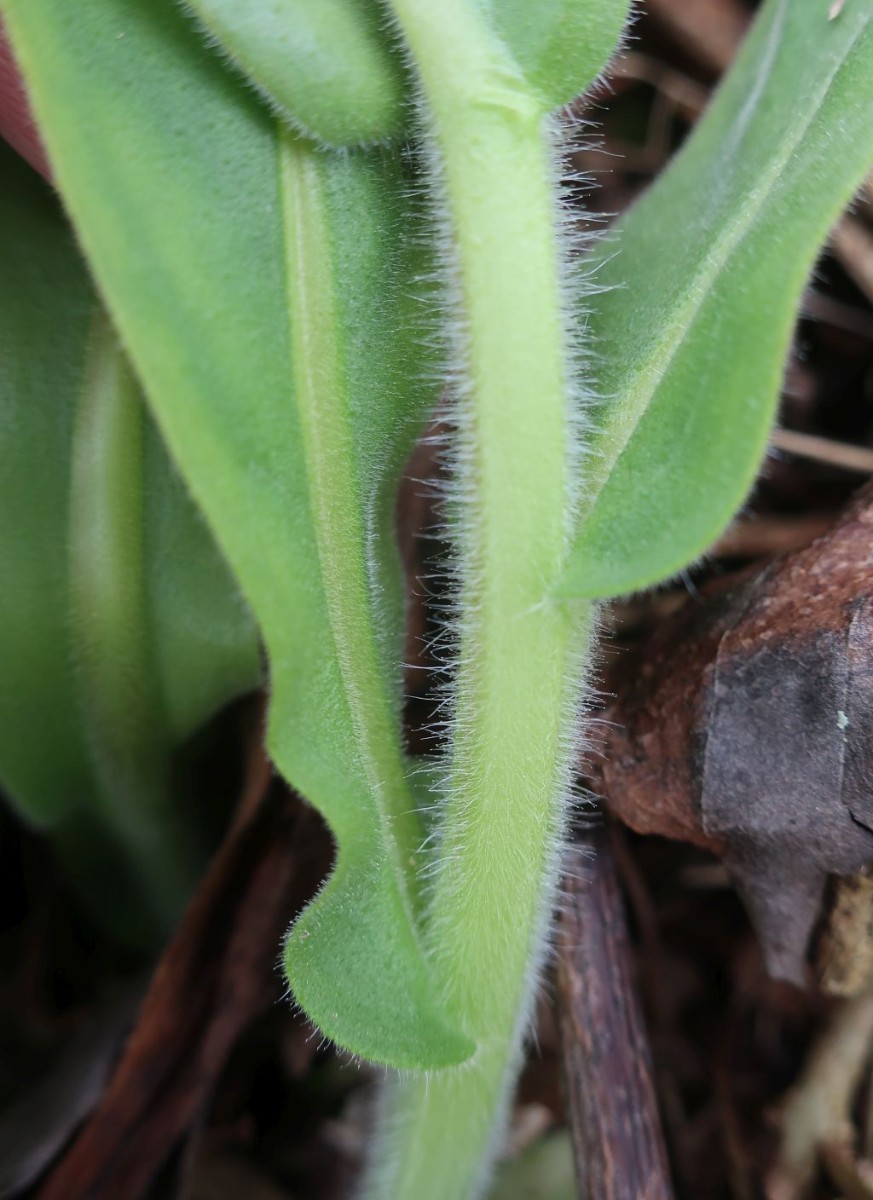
824, 450
743, 726
815, 1119
839, 314
218, 973
688, 97
709, 30
852, 243
762, 537
844, 950
852, 1176
616, 1128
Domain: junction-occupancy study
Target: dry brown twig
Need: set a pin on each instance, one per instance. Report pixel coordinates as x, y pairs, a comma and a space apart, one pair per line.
710, 30
816, 1119
613, 1109
217, 974
852, 243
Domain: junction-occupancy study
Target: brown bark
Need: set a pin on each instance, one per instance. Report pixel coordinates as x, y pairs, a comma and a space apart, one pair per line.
743, 727
613, 1110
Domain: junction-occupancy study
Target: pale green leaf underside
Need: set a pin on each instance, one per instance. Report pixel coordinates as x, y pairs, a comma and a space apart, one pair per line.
178, 607
329, 66
706, 274
149, 132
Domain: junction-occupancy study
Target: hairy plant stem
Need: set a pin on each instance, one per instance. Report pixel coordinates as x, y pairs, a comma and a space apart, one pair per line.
118, 693
521, 654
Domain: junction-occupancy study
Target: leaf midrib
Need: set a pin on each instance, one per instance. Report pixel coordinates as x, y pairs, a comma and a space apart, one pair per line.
328, 456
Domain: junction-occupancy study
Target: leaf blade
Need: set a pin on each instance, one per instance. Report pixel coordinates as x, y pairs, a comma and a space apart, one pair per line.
561, 46
199, 295
327, 65
45, 303
714, 257
66, 642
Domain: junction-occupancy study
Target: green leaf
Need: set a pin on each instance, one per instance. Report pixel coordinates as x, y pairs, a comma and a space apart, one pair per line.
329, 66
45, 311
204, 641
543, 1171
118, 564
559, 45
98, 592
332, 68
704, 278
209, 230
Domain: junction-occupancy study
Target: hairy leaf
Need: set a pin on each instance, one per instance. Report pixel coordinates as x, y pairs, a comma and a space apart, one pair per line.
559, 45
262, 280
45, 307
702, 283
328, 66
101, 644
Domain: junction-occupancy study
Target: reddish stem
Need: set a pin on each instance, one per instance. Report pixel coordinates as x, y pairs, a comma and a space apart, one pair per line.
17, 125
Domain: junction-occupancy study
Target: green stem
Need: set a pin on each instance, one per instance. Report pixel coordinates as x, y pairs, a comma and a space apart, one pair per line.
521, 654
118, 694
